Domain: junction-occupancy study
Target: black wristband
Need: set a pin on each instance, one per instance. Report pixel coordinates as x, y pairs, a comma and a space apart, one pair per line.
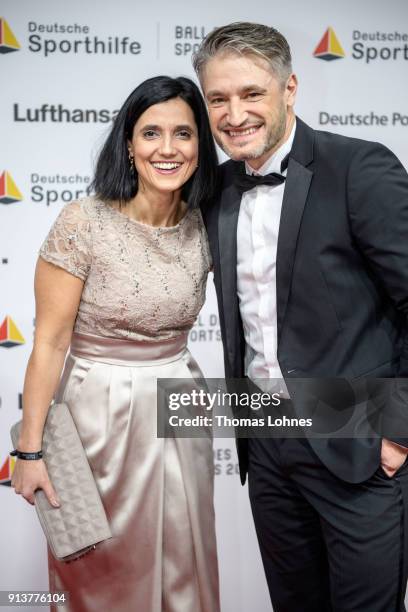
26, 456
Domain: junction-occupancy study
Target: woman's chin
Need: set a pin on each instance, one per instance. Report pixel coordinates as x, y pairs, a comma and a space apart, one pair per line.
167, 184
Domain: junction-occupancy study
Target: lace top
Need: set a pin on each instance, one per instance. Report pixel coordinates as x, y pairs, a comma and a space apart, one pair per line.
141, 282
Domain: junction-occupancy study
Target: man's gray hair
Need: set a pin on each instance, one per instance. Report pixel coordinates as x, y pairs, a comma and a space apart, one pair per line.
247, 38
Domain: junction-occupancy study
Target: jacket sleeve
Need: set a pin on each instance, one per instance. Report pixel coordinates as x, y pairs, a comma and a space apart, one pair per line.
378, 212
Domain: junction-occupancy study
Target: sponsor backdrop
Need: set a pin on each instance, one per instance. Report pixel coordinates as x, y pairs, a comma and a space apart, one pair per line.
65, 70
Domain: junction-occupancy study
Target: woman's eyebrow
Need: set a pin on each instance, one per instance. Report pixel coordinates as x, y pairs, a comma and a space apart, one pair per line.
184, 126
150, 126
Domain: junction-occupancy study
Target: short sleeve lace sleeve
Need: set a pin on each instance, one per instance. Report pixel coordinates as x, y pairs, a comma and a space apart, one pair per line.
68, 244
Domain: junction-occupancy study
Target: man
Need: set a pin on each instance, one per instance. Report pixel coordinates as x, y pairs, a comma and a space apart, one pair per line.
311, 273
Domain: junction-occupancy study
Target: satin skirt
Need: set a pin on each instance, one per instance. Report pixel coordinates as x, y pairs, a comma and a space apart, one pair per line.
157, 493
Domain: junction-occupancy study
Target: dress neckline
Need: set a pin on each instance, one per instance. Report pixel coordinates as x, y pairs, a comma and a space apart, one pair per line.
147, 226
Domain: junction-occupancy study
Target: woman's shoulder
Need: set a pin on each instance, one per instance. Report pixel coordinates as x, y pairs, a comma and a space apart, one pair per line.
83, 209
69, 241
194, 218
76, 217
198, 230
87, 204
76, 209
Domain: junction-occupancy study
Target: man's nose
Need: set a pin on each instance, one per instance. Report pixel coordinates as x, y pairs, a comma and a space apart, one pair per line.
237, 115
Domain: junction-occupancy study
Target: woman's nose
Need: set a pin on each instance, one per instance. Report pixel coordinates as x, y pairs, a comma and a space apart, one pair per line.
167, 146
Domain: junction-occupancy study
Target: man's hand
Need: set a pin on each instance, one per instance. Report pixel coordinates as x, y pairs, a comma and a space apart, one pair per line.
392, 456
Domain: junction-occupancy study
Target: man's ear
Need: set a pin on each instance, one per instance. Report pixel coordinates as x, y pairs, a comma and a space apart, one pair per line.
291, 90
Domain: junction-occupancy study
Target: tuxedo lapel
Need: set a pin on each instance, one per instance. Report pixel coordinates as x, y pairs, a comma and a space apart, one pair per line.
294, 199
227, 242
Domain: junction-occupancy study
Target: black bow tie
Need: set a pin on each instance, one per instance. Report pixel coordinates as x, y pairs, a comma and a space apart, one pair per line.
245, 182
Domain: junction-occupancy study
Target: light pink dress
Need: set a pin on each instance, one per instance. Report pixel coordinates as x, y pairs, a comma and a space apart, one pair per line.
143, 289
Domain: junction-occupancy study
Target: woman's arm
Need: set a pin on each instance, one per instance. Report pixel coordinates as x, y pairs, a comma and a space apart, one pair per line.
57, 296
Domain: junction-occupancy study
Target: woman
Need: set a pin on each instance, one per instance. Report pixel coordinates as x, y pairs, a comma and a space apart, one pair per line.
121, 278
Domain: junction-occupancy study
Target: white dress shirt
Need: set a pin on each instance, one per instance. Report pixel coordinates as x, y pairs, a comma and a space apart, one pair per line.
257, 241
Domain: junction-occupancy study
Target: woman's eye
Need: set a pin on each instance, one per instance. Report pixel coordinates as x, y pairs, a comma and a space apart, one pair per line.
184, 134
149, 134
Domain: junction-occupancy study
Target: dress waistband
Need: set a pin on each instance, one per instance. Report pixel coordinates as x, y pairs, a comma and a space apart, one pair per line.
120, 351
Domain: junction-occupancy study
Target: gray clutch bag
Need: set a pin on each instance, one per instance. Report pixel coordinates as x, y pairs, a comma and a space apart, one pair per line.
80, 522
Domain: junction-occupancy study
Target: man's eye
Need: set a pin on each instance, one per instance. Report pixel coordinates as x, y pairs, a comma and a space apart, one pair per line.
253, 94
216, 101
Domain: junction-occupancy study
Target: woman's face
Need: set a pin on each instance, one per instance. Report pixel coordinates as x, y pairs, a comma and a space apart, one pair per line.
165, 146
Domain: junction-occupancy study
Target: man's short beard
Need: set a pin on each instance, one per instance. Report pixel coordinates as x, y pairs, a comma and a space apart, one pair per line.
273, 136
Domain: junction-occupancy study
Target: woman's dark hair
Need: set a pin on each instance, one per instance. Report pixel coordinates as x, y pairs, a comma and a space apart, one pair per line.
114, 182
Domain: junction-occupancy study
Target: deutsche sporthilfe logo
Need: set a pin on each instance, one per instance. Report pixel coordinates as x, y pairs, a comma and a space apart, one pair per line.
329, 48
9, 192
6, 471
10, 335
8, 42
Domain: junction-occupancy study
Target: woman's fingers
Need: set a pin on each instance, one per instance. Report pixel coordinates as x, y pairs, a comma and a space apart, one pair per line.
29, 496
27, 479
50, 493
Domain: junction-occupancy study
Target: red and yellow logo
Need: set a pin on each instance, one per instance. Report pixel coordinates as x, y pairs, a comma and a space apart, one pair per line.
8, 42
329, 48
10, 335
9, 192
6, 471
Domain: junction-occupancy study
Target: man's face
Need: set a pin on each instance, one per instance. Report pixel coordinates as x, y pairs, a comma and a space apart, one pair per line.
249, 107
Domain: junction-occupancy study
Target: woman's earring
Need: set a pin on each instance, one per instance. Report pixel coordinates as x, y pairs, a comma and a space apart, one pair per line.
131, 163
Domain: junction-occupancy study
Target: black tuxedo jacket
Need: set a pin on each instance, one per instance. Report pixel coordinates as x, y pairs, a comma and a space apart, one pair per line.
342, 275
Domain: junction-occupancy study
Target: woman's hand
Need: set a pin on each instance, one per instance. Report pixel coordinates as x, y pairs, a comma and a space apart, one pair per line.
28, 476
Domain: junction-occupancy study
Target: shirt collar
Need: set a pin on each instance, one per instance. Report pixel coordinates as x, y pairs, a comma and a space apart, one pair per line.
273, 164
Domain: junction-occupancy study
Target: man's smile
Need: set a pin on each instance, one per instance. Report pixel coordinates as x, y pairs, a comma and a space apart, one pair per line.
240, 133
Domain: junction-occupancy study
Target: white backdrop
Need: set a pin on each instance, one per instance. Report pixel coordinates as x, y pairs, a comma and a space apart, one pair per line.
65, 71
